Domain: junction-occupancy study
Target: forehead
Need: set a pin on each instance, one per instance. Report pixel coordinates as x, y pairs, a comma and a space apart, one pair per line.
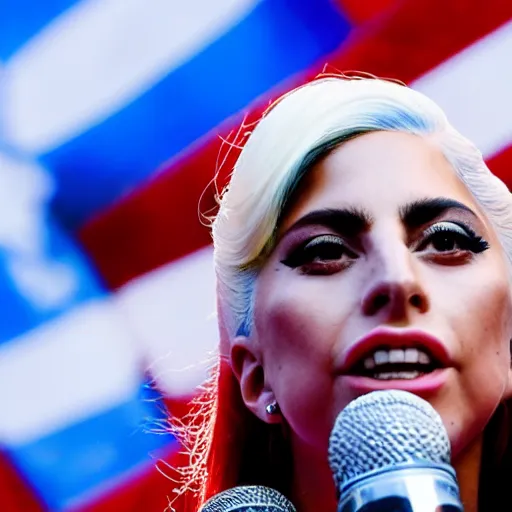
379, 171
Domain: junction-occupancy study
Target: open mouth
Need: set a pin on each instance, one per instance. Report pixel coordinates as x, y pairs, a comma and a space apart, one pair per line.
386, 363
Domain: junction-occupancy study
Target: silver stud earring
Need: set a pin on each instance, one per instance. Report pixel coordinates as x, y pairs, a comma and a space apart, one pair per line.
272, 408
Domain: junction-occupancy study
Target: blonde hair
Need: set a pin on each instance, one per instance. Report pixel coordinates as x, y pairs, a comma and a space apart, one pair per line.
304, 125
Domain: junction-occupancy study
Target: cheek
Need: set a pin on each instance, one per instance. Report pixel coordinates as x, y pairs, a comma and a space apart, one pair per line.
298, 323
488, 331
296, 329
484, 316
475, 303
479, 318
296, 314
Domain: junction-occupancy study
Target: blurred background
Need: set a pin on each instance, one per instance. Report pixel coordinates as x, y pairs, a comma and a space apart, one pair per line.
113, 115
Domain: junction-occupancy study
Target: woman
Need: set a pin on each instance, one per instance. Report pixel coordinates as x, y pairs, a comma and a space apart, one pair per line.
362, 244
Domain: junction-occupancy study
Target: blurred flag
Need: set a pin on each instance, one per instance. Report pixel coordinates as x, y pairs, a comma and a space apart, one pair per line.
105, 268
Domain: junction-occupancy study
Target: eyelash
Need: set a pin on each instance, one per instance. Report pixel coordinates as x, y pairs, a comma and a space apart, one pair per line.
308, 256
459, 234
305, 255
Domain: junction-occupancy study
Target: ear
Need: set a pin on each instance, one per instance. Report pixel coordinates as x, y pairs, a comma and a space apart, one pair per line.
245, 358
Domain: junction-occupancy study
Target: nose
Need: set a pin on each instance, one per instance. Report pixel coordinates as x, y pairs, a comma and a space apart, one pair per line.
396, 290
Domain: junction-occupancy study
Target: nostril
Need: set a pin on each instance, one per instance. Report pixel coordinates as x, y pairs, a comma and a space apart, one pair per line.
380, 301
416, 301
395, 299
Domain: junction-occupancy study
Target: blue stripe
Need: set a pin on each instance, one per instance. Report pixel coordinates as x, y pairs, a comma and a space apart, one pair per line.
22, 19
47, 280
80, 461
277, 39
59, 262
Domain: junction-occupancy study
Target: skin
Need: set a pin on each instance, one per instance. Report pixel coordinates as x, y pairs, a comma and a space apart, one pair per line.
308, 316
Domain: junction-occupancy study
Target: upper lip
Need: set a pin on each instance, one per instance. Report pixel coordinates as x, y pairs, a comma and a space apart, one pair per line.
395, 338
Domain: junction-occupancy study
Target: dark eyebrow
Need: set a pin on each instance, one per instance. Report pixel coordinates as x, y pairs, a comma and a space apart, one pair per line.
349, 222
422, 211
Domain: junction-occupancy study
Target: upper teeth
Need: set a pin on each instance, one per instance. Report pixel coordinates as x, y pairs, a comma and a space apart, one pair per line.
396, 355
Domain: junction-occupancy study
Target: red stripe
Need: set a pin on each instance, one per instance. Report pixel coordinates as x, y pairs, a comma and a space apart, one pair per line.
501, 165
358, 12
159, 223
15, 494
419, 35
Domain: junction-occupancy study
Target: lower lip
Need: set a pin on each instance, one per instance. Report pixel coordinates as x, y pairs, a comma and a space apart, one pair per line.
423, 386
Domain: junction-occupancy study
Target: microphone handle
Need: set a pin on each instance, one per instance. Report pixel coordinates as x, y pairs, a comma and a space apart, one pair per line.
399, 504
408, 487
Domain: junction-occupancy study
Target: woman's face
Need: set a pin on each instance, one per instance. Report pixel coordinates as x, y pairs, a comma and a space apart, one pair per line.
386, 274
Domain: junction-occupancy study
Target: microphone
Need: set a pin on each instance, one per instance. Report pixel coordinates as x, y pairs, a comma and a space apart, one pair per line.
389, 452
250, 498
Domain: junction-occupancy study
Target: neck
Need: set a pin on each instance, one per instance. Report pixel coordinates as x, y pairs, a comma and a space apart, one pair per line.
313, 487
467, 466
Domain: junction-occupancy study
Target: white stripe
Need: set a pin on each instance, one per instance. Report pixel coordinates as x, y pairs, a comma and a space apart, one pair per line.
171, 311
66, 371
25, 190
98, 57
474, 89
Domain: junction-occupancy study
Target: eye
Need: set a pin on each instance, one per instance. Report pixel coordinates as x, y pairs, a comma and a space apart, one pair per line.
323, 254
451, 238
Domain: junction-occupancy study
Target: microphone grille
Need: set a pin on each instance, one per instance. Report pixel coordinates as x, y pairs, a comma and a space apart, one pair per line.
250, 498
384, 428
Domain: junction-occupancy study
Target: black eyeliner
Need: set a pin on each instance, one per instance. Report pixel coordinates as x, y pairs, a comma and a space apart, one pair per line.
477, 242
471, 240
299, 256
